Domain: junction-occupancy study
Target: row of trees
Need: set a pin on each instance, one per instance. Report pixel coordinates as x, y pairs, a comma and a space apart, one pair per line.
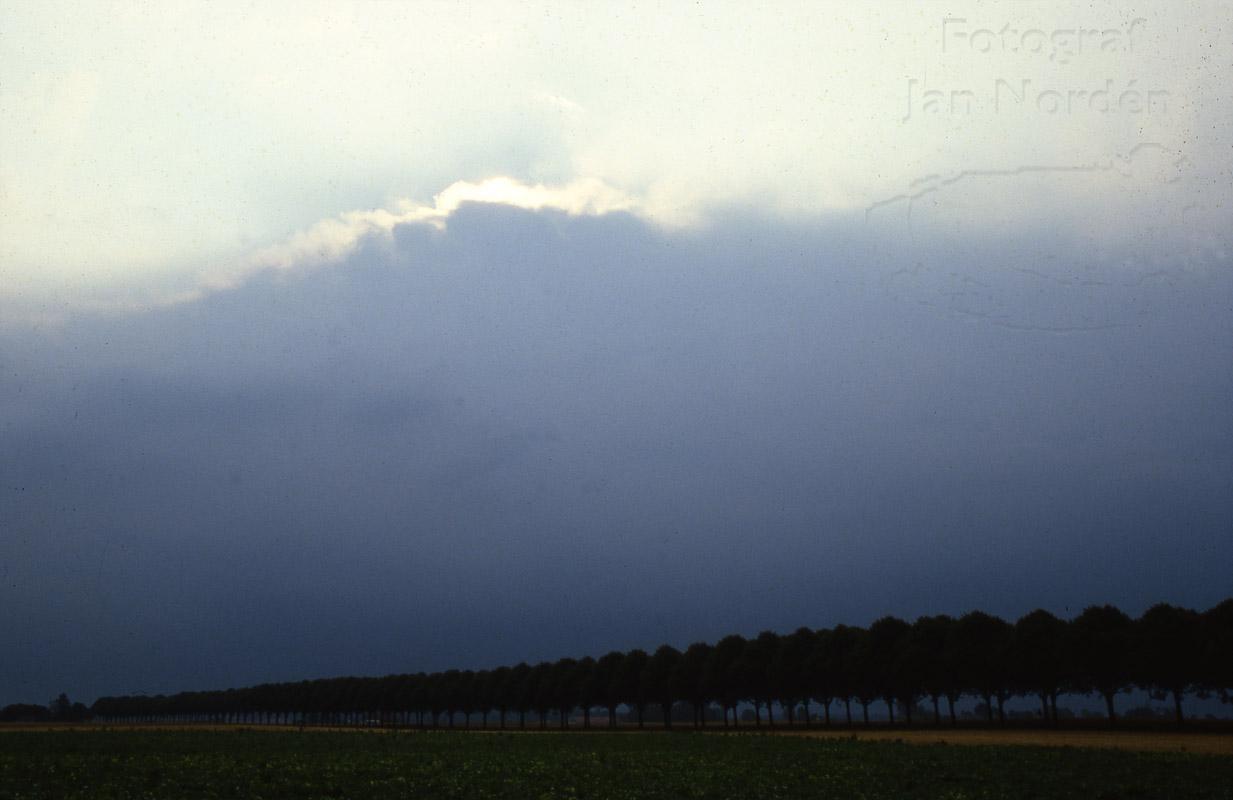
58, 710
1169, 651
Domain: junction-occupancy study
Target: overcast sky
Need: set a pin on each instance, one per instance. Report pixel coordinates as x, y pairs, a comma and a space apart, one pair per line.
388, 337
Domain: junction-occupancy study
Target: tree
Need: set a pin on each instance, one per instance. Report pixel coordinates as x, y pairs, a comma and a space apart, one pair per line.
588, 691
1168, 647
751, 674
1040, 658
61, 708
564, 687
844, 665
1103, 640
522, 691
629, 686
895, 677
931, 640
788, 675
30, 712
982, 645
821, 682
605, 679
660, 679
693, 681
721, 678
544, 696
1216, 665
501, 692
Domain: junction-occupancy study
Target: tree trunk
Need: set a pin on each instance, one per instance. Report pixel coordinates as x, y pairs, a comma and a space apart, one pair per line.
847, 707
1109, 705
1001, 710
890, 709
865, 710
667, 708
937, 713
826, 713
907, 713
1177, 707
950, 705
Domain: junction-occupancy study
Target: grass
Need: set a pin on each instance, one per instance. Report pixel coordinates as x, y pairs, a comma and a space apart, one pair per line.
251, 764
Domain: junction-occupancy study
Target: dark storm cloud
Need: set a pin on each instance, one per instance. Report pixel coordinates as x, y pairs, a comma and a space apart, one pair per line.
532, 435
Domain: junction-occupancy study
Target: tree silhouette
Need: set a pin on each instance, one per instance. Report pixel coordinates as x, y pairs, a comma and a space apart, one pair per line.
931, 643
1167, 644
660, 680
844, 664
607, 686
982, 648
1103, 649
722, 679
1040, 658
693, 679
1215, 672
819, 675
629, 684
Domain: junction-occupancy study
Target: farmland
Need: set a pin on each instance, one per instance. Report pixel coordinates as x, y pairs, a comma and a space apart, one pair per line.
254, 764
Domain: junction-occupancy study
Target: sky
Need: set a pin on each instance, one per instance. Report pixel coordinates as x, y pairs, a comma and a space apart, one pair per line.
386, 337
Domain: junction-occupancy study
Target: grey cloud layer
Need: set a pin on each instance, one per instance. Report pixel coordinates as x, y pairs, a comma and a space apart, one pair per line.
531, 434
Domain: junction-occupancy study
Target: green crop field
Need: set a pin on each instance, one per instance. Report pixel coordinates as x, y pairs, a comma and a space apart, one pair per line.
263, 764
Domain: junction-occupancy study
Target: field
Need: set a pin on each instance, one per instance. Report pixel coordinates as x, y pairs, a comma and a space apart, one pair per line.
276, 764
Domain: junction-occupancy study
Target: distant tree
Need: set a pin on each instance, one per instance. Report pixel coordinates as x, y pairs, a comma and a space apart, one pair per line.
500, 692
29, 712
722, 679
788, 675
565, 688
750, 672
819, 673
982, 646
892, 664
587, 692
1040, 659
844, 664
660, 679
692, 678
1216, 665
866, 684
629, 684
544, 694
1103, 649
1168, 648
607, 686
61, 708
930, 640
522, 691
